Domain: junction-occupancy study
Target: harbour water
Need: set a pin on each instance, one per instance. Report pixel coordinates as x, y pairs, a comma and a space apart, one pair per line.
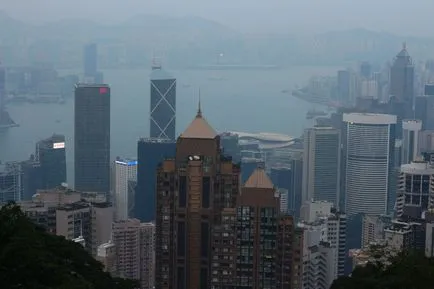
239, 100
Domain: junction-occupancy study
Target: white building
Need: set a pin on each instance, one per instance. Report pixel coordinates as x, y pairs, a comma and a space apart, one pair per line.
323, 224
283, 193
373, 229
415, 186
369, 153
411, 129
125, 172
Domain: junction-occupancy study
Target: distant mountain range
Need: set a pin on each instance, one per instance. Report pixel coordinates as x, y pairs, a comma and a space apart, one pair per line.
188, 41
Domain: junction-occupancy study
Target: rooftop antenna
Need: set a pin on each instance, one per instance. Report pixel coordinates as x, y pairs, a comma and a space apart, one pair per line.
404, 45
199, 109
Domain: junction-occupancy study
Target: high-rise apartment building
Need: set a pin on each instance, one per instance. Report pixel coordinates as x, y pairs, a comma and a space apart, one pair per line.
369, 160
135, 251
415, 186
322, 216
257, 221
92, 138
411, 129
51, 155
125, 178
321, 165
295, 192
196, 195
163, 104
151, 152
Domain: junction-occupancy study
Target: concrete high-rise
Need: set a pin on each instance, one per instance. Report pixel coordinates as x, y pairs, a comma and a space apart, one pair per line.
151, 152
92, 138
321, 165
369, 160
5, 119
125, 178
134, 242
196, 193
257, 220
163, 104
401, 85
51, 155
411, 129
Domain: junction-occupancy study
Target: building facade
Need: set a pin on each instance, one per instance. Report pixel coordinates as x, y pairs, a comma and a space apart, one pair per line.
51, 155
195, 191
125, 176
92, 138
369, 160
321, 165
151, 152
411, 129
163, 104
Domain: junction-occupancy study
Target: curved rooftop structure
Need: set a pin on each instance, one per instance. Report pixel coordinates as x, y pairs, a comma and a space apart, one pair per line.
266, 140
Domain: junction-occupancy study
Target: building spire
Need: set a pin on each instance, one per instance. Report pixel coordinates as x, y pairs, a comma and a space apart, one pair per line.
199, 109
404, 45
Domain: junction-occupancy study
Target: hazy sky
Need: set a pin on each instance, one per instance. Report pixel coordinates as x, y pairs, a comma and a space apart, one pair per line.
403, 17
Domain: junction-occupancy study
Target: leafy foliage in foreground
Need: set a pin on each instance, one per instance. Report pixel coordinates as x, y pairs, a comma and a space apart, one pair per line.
406, 270
32, 258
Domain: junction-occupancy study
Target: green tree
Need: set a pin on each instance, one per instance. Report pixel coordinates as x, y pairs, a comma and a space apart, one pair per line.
32, 258
406, 270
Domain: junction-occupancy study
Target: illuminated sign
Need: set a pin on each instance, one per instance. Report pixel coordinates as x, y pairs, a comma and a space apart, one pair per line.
103, 90
58, 145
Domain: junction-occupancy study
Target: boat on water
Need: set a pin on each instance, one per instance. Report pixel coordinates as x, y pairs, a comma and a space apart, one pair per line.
6, 121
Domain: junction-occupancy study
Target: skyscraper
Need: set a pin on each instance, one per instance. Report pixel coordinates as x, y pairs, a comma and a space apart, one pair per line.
195, 193
92, 138
151, 152
5, 119
257, 222
51, 155
125, 171
401, 86
321, 165
411, 129
369, 154
163, 104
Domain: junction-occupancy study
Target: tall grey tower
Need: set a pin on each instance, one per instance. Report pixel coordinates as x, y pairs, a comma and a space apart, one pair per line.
163, 104
5, 119
321, 165
92, 137
401, 88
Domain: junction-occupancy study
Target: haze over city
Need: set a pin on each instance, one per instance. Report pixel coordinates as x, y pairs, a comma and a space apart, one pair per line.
278, 16
216, 145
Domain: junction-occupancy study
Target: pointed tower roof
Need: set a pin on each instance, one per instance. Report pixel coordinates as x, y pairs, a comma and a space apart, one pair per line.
259, 179
199, 127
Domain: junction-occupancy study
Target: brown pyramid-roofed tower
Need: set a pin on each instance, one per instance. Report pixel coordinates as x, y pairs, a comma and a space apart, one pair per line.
259, 179
199, 128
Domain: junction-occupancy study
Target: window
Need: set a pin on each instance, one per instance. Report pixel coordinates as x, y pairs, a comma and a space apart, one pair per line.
206, 190
204, 240
182, 192
181, 239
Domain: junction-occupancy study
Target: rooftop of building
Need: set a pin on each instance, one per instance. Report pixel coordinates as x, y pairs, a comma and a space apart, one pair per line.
74, 206
199, 128
262, 136
83, 85
126, 161
158, 73
369, 118
419, 167
259, 179
155, 140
